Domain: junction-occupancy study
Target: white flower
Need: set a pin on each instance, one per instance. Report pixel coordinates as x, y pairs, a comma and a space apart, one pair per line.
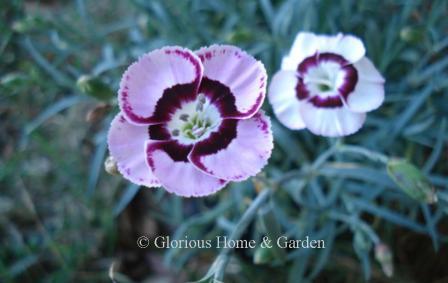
326, 85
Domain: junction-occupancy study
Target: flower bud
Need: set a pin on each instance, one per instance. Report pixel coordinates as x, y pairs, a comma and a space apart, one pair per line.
384, 256
143, 22
94, 87
110, 165
263, 255
411, 180
239, 36
28, 24
12, 80
412, 35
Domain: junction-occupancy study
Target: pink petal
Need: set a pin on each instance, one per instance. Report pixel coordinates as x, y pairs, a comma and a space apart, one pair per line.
127, 146
169, 162
146, 81
283, 98
368, 94
238, 150
331, 122
240, 72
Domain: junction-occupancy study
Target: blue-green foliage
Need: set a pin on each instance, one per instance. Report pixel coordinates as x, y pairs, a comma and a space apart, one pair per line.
58, 207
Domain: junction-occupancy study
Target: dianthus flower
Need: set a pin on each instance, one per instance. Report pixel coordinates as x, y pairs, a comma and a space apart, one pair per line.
190, 121
326, 84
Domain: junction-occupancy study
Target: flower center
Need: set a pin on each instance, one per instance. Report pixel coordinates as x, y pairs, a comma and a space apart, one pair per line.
324, 79
194, 121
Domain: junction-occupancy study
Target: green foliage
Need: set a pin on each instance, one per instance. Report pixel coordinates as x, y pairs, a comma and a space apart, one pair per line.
60, 211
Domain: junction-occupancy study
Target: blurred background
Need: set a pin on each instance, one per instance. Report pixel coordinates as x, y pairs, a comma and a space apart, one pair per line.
64, 219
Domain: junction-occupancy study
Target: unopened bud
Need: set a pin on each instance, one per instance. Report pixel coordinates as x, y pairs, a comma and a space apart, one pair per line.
28, 24
411, 180
110, 165
239, 36
412, 34
93, 86
12, 80
263, 255
142, 22
384, 256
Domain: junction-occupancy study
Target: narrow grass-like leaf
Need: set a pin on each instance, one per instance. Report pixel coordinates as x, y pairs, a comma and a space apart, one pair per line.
52, 110
125, 199
437, 151
96, 164
388, 215
20, 266
410, 111
57, 75
432, 230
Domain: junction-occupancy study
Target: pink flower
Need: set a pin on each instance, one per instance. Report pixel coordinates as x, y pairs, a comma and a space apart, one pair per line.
326, 85
190, 122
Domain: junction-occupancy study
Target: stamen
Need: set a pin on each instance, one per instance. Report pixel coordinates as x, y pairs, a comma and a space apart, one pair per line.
201, 98
190, 125
201, 102
184, 117
199, 131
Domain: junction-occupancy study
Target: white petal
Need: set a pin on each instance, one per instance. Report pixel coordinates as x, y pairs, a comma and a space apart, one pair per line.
348, 46
369, 91
366, 96
282, 96
367, 71
305, 45
331, 122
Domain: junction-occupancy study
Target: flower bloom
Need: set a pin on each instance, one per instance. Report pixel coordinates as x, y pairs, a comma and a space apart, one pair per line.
326, 85
190, 121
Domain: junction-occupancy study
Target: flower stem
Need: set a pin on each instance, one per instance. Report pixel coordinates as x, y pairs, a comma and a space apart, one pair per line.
243, 223
372, 155
355, 222
335, 148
